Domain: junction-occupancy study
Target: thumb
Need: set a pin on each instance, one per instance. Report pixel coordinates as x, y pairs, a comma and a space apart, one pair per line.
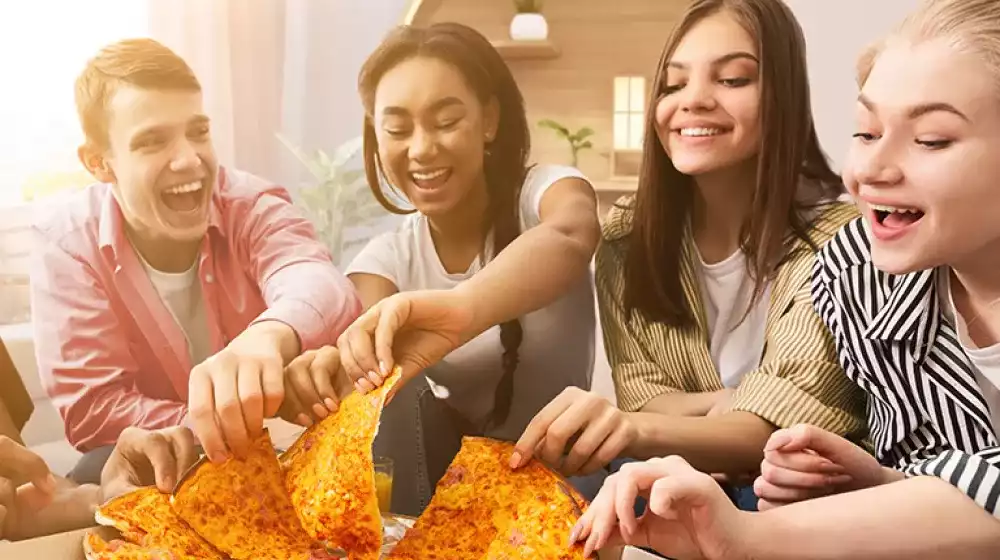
33, 498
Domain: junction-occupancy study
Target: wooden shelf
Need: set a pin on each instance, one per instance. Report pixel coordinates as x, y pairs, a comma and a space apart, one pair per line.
526, 50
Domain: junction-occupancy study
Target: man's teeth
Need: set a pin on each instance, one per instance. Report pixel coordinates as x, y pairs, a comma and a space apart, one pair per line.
429, 176
891, 209
185, 188
701, 131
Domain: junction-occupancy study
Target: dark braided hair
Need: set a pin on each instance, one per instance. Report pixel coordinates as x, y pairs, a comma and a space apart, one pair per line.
505, 160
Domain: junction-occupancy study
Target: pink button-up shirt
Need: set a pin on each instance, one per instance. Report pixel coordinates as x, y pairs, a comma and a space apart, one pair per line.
111, 355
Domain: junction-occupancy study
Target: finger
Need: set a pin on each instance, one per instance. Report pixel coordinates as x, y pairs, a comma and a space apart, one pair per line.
3, 520
230, 413
767, 491
347, 358
364, 386
635, 479
158, 452
766, 505
202, 407
304, 389
805, 436
777, 475
293, 411
603, 518
801, 461
17, 463
576, 418
537, 429
609, 450
390, 314
182, 444
363, 348
324, 369
593, 436
250, 387
272, 382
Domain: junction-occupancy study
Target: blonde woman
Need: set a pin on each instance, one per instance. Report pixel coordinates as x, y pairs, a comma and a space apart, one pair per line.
911, 293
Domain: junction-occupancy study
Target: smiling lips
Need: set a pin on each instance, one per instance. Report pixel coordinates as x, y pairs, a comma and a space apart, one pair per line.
183, 198
892, 222
432, 179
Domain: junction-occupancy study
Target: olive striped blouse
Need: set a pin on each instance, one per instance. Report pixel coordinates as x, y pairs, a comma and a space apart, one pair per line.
798, 379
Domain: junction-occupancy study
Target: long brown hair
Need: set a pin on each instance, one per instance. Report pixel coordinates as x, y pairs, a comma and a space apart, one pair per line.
789, 151
506, 157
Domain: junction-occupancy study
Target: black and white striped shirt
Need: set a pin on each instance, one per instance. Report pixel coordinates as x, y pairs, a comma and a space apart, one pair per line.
926, 412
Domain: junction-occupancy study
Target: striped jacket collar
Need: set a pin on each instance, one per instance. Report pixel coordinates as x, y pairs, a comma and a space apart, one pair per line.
911, 312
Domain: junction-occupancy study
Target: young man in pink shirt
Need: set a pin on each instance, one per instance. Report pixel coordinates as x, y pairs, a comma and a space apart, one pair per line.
174, 291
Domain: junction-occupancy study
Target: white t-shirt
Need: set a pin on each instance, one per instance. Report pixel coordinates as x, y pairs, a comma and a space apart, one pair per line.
557, 349
181, 294
985, 361
736, 346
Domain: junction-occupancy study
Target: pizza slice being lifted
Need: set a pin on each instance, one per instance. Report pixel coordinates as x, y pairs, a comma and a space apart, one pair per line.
329, 473
483, 509
241, 507
144, 517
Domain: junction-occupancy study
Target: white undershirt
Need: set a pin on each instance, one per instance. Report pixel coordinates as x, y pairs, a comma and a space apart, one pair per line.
985, 361
181, 294
558, 346
736, 346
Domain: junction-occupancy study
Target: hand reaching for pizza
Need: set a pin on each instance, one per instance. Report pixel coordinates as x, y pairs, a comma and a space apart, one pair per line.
805, 462
412, 330
147, 458
231, 393
315, 383
601, 431
688, 514
26, 487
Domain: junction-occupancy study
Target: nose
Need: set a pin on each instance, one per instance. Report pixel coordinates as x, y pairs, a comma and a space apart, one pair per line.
185, 157
697, 95
874, 164
423, 144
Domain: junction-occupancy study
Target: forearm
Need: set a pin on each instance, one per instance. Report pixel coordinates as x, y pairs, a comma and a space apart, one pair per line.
71, 508
534, 270
314, 300
680, 403
730, 443
921, 517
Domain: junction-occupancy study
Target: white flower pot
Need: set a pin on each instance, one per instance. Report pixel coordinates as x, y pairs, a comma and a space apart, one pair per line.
529, 27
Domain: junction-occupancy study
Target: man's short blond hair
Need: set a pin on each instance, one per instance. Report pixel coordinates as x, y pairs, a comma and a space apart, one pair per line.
142, 63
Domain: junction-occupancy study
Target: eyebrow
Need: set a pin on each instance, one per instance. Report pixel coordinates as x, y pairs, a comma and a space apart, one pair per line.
435, 107
920, 110
153, 130
721, 60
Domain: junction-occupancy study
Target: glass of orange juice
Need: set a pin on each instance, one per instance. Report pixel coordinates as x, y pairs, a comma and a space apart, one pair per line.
383, 483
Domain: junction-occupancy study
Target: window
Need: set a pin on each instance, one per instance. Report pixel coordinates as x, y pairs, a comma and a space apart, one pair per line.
629, 122
47, 43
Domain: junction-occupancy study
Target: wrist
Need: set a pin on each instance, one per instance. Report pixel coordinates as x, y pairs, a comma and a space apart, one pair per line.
272, 334
464, 297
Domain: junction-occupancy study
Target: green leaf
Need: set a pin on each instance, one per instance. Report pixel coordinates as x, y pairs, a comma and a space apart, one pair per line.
549, 123
585, 144
583, 133
346, 151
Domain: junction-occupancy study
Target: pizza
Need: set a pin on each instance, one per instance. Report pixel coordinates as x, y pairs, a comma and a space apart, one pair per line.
241, 507
144, 517
96, 548
329, 474
483, 509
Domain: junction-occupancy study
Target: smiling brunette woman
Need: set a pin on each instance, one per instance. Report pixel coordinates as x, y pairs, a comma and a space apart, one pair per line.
491, 270
703, 275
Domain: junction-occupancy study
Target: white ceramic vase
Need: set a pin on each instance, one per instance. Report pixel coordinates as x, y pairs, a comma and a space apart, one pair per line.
529, 27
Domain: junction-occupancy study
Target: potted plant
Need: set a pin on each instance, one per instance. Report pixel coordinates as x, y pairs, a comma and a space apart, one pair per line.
529, 24
339, 199
578, 141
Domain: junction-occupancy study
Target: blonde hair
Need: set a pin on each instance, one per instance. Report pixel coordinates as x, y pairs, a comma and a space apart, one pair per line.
142, 63
969, 25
